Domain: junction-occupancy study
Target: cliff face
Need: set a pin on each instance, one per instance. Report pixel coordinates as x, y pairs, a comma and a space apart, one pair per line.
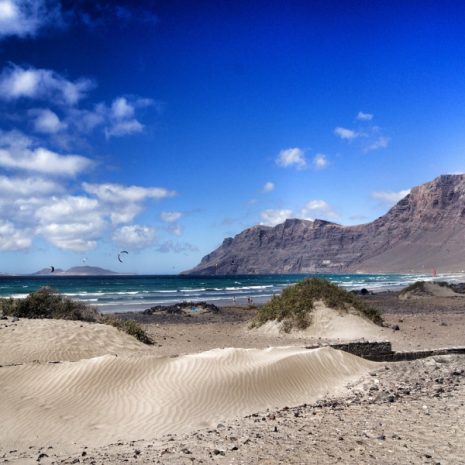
425, 230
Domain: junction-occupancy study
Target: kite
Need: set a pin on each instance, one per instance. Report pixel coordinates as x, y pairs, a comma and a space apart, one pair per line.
120, 254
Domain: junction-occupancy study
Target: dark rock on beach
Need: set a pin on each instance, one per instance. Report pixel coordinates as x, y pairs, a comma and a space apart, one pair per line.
183, 308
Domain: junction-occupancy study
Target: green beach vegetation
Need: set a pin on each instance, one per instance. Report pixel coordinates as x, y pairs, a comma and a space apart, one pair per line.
49, 303
295, 305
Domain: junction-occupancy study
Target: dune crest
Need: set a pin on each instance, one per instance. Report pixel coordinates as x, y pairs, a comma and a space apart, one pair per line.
328, 323
108, 398
45, 340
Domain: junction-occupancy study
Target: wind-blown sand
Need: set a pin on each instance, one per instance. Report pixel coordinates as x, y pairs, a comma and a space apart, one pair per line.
328, 323
114, 400
26, 341
104, 399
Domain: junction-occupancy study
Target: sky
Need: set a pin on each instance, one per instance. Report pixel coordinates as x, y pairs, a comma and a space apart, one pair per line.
162, 127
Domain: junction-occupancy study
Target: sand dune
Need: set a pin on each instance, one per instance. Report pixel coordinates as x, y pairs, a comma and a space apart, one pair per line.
104, 399
429, 289
52, 340
328, 323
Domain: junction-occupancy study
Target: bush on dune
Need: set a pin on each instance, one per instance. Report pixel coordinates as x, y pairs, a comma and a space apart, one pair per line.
294, 306
48, 303
128, 326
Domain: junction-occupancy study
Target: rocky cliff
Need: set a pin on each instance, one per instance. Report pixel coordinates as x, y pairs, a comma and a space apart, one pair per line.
425, 230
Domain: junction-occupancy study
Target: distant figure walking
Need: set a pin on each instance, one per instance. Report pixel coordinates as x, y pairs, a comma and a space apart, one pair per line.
234, 299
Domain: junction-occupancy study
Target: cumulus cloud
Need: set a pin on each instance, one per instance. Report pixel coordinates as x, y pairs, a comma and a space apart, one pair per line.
361, 116
268, 187
71, 222
346, 134
27, 186
117, 193
23, 18
12, 238
17, 152
134, 236
46, 121
389, 199
293, 157
170, 217
41, 84
272, 217
318, 209
320, 161
121, 120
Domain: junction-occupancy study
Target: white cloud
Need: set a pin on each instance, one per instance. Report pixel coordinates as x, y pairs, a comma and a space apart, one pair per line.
292, 157
272, 217
268, 187
25, 186
18, 153
134, 236
46, 121
44, 84
24, 18
121, 120
117, 193
320, 161
361, 116
69, 208
121, 108
124, 128
318, 209
380, 143
390, 198
12, 238
71, 222
346, 134
170, 217
125, 213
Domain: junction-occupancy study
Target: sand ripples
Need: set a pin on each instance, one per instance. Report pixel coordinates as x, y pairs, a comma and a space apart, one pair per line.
107, 398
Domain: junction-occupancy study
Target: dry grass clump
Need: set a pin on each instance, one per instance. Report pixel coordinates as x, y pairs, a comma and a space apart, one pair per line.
128, 326
48, 303
294, 306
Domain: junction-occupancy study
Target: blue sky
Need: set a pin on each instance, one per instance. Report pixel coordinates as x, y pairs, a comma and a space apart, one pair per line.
161, 127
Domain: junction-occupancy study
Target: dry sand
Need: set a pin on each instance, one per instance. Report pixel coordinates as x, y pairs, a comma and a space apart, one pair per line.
114, 400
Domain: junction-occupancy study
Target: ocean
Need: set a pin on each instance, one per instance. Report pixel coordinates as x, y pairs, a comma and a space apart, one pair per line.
136, 292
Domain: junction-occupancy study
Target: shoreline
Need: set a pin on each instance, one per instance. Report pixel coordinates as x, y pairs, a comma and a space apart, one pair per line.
87, 378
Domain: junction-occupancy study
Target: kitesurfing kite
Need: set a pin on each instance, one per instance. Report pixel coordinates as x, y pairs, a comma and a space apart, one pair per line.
52, 269
120, 254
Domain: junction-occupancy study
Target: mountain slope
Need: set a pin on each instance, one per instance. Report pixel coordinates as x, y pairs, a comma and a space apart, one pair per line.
425, 230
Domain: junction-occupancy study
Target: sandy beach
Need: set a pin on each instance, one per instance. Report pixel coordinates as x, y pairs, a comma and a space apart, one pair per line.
213, 391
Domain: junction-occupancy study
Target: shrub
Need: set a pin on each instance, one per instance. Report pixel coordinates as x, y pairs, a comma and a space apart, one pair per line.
294, 306
130, 327
48, 303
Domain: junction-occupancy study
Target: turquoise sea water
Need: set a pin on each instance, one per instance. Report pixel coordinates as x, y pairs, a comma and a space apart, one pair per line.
131, 293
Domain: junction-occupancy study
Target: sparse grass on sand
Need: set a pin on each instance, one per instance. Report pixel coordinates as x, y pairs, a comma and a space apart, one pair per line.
48, 303
294, 306
420, 288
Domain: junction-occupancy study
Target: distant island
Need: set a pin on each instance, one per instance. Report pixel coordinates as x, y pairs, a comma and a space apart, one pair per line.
77, 271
